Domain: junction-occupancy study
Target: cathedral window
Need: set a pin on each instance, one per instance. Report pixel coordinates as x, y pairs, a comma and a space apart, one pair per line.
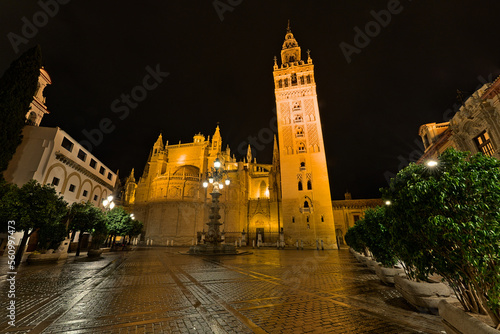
293, 219
306, 204
82, 155
309, 185
301, 80
286, 82
280, 83
298, 119
307, 218
484, 145
296, 106
302, 148
300, 186
322, 218
300, 132
302, 166
294, 79
309, 79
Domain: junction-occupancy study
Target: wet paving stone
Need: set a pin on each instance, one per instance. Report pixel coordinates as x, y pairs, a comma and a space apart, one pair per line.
159, 290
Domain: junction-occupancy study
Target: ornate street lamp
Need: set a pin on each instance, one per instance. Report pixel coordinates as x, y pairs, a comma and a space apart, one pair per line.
216, 177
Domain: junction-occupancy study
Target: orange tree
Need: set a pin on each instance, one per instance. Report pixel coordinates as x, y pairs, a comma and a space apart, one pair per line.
445, 220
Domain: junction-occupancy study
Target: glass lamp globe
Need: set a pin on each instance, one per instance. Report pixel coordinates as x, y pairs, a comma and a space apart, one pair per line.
205, 184
227, 182
217, 163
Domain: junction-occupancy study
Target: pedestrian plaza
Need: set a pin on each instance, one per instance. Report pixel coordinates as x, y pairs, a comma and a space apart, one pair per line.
161, 290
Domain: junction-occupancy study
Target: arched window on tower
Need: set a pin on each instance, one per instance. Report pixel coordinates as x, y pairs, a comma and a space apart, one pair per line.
309, 185
298, 119
300, 185
309, 79
294, 79
301, 80
302, 147
296, 106
280, 83
286, 82
31, 118
300, 132
302, 166
306, 204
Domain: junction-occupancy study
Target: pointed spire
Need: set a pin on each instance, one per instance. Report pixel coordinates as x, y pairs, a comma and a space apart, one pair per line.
288, 29
159, 141
276, 153
249, 153
131, 177
309, 59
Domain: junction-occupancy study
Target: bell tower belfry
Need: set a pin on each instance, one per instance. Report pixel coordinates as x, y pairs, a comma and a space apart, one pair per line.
306, 200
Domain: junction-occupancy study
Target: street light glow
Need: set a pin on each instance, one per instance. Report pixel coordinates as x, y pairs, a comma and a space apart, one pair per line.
388, 202
205, 184
110, 198
211, 179
221, 186
111, 205
217, 163
227, 181
432, 163
105, 202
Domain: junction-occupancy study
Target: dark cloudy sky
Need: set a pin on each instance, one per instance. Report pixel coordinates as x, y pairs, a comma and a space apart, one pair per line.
406, 75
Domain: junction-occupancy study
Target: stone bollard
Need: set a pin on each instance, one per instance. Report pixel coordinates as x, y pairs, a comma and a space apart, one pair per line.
317, 244
301, 244
322, 247
297, 244
253, 243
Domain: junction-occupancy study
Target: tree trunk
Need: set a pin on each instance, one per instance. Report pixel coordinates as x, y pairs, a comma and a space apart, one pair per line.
71, 240
20, 249
78, 246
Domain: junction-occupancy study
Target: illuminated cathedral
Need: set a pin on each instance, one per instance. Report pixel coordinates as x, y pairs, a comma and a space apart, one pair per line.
290, 196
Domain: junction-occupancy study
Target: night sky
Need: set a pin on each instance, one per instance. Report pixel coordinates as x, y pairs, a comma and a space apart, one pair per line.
406, 75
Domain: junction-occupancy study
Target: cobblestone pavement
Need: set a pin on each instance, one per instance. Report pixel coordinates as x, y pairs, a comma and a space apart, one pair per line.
159, 290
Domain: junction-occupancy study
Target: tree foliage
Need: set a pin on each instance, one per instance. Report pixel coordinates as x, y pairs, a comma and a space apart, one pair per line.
35, 207
85, 217
17, 87
446, 221
118, 221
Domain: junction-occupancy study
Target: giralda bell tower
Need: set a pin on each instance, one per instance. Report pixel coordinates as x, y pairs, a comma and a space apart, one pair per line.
306, 202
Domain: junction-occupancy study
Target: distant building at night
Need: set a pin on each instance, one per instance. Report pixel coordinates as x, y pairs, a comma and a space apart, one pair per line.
348, 211
52, 156
475, 127
291, 195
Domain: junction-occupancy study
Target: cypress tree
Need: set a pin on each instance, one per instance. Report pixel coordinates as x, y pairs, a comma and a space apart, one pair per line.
17, 87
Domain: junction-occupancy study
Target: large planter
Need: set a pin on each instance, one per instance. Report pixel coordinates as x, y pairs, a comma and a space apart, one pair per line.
372, 265
43, 258
94, 252
456, 321
424, 296
387, 275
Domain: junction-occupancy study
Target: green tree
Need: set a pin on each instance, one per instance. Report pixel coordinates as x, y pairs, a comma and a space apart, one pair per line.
118, 222
17, 88
35, 207
85, 217
446, 221
375, 234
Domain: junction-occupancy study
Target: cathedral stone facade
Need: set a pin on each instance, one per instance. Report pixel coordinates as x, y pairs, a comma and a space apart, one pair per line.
290, 196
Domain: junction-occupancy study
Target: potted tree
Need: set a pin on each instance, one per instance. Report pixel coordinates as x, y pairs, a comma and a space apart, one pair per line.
446, 222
